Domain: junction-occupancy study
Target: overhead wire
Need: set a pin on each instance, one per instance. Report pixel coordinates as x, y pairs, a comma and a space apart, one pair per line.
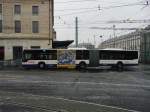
100, 8
113, 22
81, 12
120, 5
102, 22
74, 1
75, 9
103, 8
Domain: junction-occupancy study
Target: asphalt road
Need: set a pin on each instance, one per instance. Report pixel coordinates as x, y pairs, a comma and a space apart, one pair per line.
126, 90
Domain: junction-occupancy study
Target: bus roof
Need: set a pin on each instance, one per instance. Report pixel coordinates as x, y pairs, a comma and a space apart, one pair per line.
77, 48
109, 49
112, 49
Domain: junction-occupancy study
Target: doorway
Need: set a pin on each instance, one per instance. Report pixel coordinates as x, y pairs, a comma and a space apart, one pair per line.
17, 52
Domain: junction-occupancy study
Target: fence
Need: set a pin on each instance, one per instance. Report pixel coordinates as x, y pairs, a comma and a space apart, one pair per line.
10, 64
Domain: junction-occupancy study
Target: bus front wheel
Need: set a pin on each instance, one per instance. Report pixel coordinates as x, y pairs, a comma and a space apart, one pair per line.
41, 65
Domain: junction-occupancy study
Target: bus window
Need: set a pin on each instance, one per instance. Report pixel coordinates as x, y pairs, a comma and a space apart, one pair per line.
85, 54
111, 55
52, 54
131, 55
42, 56
28, 56
104, 55
78, 54
82, 54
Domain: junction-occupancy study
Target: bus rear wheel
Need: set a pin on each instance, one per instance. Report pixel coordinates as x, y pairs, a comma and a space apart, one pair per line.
41, 65
120, 66
82, 66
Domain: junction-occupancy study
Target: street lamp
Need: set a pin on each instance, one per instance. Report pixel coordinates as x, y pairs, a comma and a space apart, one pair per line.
114, 35
101, 39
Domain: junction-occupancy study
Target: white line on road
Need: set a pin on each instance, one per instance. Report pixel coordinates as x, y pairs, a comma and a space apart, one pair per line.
113, 107
76, 101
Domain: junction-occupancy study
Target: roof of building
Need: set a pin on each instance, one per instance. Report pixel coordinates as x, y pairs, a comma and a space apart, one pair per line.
61, 44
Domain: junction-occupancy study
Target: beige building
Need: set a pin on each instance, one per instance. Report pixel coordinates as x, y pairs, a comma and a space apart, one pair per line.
25, 24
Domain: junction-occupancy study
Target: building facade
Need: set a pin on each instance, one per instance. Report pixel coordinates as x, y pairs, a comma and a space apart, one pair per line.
25, 24
129, 41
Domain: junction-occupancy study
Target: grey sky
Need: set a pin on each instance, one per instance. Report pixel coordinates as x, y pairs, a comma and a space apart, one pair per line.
89, 16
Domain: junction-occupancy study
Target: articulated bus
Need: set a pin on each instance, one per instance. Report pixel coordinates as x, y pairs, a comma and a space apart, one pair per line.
78, 58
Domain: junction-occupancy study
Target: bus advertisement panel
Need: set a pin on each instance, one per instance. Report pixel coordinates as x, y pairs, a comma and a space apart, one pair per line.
66, 58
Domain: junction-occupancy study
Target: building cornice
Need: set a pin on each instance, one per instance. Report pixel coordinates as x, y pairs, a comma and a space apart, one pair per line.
24, 36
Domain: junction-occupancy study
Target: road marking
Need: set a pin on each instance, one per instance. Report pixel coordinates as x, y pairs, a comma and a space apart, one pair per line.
90, 103
75, 101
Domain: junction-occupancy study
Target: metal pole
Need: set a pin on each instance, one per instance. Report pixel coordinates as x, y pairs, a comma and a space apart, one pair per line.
114, 35
94, 41
76, 31
49, 25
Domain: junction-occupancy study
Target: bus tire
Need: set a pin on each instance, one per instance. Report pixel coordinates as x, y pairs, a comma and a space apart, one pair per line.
82, 66
120, 66
41, 65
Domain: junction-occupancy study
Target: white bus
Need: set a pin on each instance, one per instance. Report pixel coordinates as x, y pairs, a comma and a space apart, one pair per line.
78, 58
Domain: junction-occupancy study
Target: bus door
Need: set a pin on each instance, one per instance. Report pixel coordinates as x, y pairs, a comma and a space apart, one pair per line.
94, 58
